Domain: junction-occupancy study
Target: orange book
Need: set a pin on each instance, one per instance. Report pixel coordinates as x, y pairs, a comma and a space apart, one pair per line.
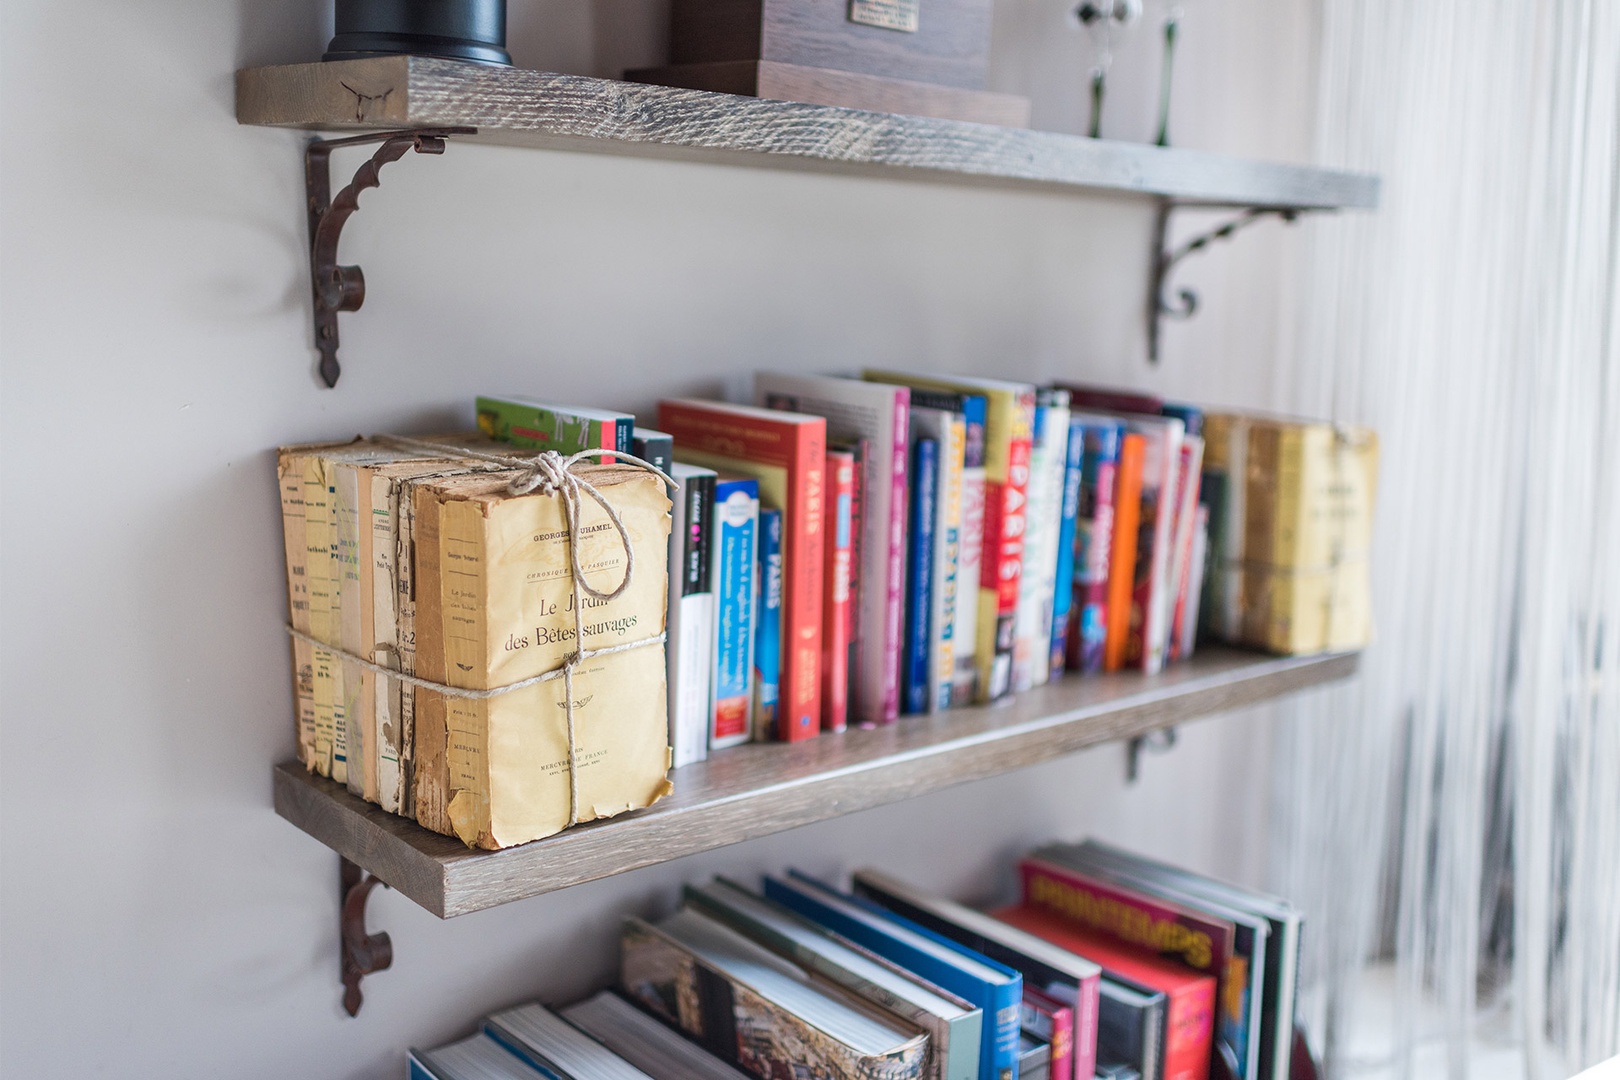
1189, 1022
1122, 558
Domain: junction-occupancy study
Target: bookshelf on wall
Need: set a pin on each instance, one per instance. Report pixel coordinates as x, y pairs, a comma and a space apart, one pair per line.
759, 789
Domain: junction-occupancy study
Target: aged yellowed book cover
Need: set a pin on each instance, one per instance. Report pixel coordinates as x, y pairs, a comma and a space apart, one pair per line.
495, 606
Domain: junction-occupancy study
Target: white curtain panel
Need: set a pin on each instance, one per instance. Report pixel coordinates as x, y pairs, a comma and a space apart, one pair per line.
1457, 811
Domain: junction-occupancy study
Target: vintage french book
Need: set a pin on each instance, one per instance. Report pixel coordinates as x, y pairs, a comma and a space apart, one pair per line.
1046, 969
291, 463
753, 1009
735, 562
691, 618
1032, 629
953, 1025
787, 453
1010, 419
546, 425
837, 617
1308, 503
879, 416
1190, 997
496, 771
1122, 551
949, 430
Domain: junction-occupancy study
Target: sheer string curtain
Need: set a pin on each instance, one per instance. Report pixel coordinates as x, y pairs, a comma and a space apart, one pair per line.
1457, 812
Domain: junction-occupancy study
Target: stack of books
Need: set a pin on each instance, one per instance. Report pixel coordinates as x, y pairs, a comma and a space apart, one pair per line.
1112, 966
846, 550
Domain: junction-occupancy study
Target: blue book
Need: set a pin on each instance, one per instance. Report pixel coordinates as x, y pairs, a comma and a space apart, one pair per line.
1093, 541
995, 988
768, 631
1063, 593
736, 565
914, 670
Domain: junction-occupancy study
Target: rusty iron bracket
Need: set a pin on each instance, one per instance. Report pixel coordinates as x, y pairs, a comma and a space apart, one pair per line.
363, 954
337, 288
1158, 742
1165, 260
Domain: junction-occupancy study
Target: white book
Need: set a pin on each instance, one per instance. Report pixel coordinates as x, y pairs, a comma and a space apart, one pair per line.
949, 430
644, 1042
541, 1038
1187, 486
1032, 626
690, 628
1195, 582
880, 415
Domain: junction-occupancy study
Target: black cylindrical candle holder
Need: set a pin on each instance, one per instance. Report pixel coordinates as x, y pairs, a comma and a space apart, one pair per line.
456, 29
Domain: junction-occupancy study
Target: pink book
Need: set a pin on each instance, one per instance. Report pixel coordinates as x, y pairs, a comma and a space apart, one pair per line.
880, 415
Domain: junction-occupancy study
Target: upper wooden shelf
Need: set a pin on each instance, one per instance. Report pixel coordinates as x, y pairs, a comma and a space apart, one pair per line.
760, 789
531, 108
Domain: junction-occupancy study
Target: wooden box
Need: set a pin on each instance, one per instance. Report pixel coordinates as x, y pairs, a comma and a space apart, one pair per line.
820, 51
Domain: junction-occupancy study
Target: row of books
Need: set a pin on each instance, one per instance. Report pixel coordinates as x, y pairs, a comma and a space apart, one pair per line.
855, 549
1112, 966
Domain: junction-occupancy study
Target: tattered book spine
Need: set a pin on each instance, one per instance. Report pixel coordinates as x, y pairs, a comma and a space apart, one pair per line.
290, 466
495, 771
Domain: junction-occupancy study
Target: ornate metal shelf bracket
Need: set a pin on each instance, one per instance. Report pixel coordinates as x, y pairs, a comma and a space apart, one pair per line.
1160, 307
362, 953
337, 288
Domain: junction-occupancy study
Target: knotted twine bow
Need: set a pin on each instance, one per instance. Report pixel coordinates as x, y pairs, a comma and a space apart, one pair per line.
548, 473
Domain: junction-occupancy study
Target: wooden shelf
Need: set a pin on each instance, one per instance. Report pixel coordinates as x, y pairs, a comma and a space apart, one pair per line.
756, 790
571, 112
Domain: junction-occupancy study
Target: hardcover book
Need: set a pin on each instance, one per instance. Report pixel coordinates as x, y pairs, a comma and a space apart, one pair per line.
953, 1025
787, 454
837, 618
916, 680
644, 1042
993, 987
735, 563
1068, 525
1122, 555
1190, 997
1009, 422
948, 430
751, 1008
878, 416
1032, 631
1093, 546
690, 622
768, 641
1046, 969
477, 1058
544, 425
541, 1038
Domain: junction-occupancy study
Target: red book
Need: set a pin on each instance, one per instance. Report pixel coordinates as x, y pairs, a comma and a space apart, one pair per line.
836, 610
1109, 399
1122, 556
1189, 1027
787, 454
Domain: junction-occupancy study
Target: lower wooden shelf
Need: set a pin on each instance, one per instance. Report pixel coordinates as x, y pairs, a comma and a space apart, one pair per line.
755, 790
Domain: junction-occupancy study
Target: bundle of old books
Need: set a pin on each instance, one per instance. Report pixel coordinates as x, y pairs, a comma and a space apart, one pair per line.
483, 579
1112, 966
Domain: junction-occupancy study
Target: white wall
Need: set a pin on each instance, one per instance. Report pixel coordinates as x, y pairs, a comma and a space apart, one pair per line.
158, 918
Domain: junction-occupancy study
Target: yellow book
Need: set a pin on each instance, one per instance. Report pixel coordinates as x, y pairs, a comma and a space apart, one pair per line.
495, 607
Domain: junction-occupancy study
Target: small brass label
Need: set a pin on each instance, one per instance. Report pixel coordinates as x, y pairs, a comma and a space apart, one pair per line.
889, 14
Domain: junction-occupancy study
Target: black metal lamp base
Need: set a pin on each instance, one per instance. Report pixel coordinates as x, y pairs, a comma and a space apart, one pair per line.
455, 29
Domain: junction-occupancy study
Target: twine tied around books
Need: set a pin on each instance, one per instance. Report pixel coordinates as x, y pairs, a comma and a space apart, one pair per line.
547, 473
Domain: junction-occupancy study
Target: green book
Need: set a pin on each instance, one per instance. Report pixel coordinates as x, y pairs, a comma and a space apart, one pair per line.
546, 425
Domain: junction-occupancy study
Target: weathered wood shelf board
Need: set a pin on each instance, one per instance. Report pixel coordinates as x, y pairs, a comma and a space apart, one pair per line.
530, 108
756, 790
